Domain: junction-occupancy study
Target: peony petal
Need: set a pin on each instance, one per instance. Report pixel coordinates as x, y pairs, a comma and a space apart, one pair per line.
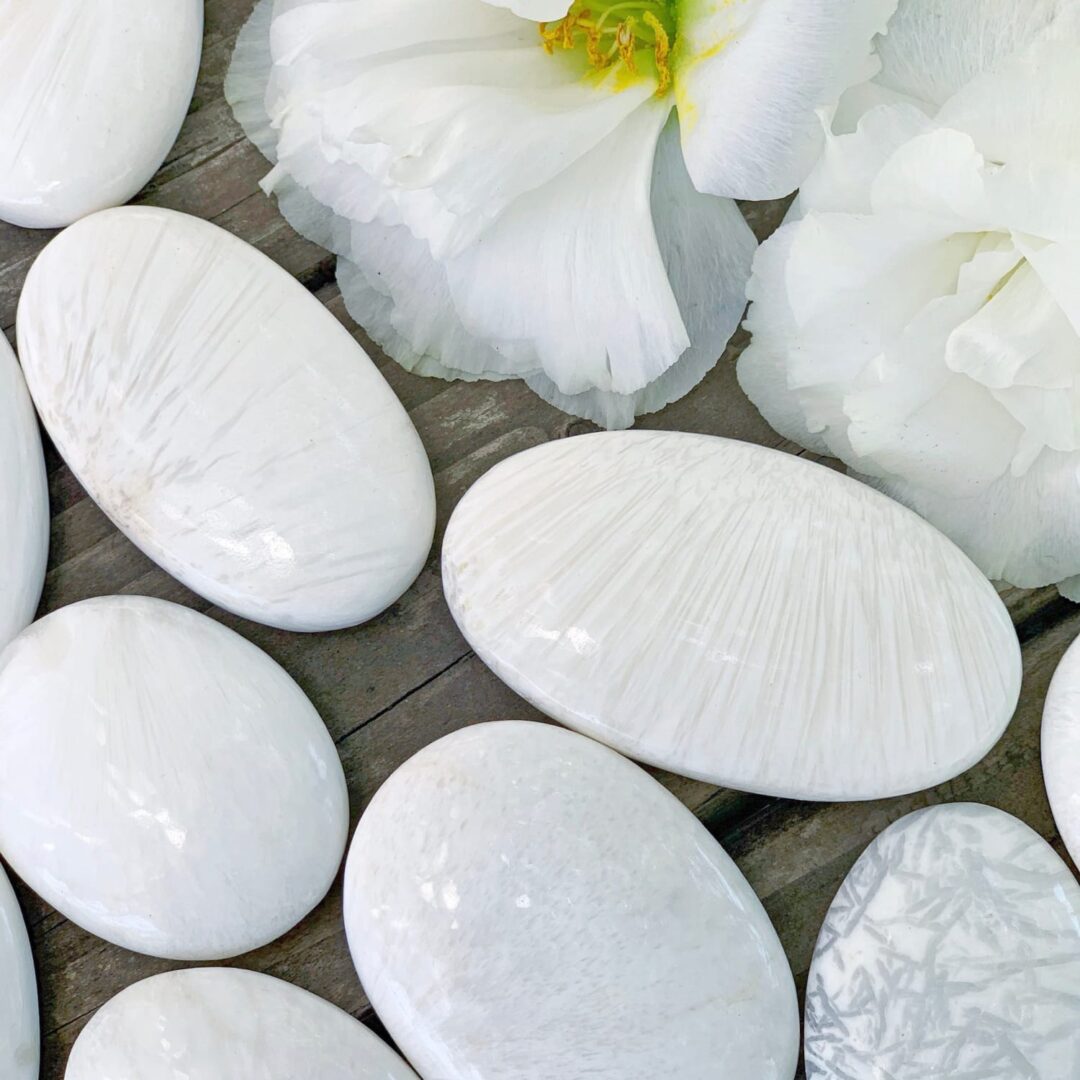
1058, 267
934, 47
750, 77
598, 316
1021, 529
903, 417
843, 178
1025, 108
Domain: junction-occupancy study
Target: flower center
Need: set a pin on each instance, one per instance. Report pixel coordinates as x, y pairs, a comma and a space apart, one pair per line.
631, 34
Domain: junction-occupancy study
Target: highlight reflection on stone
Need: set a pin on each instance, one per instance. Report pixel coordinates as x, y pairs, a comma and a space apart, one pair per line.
952, 950
170, 788
19, 1034
225, 420
92, 96
732, 613
227, 1024
523, 902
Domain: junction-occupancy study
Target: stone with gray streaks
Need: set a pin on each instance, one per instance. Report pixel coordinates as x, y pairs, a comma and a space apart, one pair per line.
92, 97
225, 420
951, 951
733, 614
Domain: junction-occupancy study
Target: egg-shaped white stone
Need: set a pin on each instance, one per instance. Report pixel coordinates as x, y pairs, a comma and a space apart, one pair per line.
1061, 748
167, 786
92, 96
952, 950
19, 1036
24, 502
523, 903
733, 614
225, 420
227, 1024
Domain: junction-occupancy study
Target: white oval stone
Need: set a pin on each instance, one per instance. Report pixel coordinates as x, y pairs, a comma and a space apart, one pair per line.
19, 1035
24, 502
92, 97
1061, 748
225, 420
733, 614
952, 950
523, 902
227, 1024
171, 789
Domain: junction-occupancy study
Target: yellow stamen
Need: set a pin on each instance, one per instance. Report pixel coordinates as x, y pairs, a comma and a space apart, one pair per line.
617, 34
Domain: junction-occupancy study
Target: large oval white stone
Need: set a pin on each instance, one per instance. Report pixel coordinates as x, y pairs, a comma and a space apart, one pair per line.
523, 902
1061, 748
92, 96
227, 1024
225, 420
19, 1036
24, 502
952, 950
733, 614
166, 786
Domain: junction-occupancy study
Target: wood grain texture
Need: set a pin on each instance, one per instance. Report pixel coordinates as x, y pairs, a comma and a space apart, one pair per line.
390, 687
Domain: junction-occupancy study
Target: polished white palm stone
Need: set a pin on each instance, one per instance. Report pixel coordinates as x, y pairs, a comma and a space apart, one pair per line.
167, 786
19, 1036
225, 420
92, 96
1061, 748
732, 614
24, 502
227, 1024
951, 951
523, 904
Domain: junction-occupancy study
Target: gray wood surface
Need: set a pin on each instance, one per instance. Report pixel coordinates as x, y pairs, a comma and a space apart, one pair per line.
388, 688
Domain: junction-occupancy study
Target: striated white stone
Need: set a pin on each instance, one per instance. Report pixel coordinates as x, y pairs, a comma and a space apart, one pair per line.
24, 502
524, 904
167, 786
92, 96
225, 420
19, 1035
733, 614
951, 951
1061, 748
227, 1024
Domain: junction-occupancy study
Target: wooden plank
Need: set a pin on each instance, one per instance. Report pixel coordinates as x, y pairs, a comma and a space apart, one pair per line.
388, 688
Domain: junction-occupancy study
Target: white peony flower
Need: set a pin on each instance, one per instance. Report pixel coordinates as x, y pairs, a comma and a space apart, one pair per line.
538, 188
919, 316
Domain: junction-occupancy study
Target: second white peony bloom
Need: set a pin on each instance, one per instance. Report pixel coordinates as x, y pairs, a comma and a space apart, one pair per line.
919, 315
508, 188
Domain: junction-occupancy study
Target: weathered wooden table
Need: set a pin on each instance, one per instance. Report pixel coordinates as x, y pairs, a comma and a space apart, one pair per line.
388, 688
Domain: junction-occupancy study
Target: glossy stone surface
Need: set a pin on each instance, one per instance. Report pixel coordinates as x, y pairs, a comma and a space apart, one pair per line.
92, 96
19, 1034
225, 420
227, 1024
24, 502
733, 614
952, 950
523, 902
1061, 748
172, 790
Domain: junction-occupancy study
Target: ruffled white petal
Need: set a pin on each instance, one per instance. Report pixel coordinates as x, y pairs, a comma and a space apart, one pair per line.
595, 317
539, 10
934, 47
921, 320
1024, 530
1026, 109
750, 77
